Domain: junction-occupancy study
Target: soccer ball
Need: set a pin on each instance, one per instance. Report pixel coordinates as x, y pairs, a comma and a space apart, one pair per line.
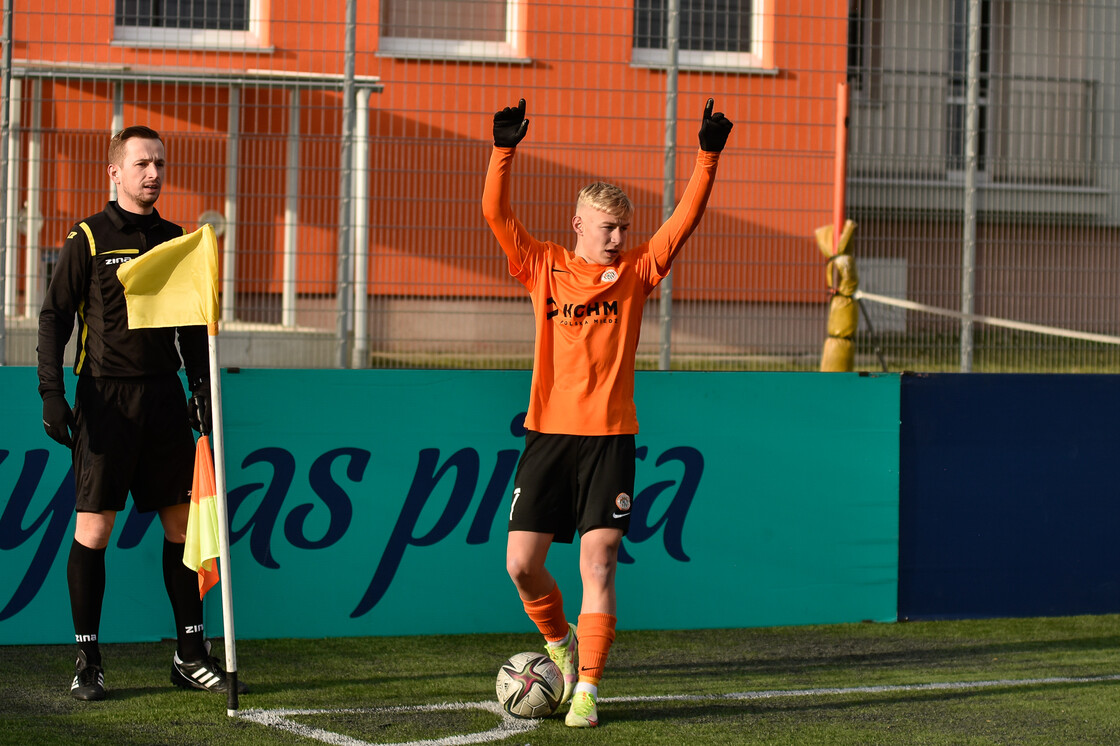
530, 685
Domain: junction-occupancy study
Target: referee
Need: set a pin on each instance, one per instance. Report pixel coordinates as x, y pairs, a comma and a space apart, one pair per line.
130, 428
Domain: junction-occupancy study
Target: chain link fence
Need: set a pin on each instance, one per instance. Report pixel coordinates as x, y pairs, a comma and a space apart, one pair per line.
339, 150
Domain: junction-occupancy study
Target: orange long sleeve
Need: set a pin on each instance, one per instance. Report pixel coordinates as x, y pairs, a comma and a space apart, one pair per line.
588, 317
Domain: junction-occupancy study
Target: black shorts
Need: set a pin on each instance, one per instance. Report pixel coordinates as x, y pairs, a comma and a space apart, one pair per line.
566, 483
132, 435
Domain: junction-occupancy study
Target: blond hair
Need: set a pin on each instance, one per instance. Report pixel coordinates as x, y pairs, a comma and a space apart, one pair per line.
606, 198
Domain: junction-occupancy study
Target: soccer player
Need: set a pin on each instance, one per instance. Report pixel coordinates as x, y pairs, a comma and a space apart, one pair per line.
577, 470
130, 429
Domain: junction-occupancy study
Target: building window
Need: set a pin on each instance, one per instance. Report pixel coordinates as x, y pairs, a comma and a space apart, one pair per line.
723, 34
958, 85
865, 48
186, 23
227, 15
450, 29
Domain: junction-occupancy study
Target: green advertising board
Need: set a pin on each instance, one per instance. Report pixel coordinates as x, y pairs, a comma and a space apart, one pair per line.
375, 502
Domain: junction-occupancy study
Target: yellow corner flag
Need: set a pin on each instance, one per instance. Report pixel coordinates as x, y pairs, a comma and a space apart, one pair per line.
174, 284
201, 547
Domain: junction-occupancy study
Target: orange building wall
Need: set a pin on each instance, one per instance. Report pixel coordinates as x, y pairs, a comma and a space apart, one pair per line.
593, 117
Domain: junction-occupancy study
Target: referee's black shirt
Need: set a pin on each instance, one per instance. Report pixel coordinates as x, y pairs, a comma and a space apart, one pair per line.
85, 286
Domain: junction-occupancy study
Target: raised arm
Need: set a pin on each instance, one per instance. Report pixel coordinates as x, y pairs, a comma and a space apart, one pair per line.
670, 237
510, 126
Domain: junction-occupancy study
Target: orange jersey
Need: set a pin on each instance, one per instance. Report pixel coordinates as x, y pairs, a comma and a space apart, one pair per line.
588, 316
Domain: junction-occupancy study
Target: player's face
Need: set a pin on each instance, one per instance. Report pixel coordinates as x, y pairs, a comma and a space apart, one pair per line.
139, 175
600, 236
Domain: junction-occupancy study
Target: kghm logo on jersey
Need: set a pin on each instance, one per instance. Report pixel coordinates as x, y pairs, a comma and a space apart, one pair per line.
578, 314
609, 276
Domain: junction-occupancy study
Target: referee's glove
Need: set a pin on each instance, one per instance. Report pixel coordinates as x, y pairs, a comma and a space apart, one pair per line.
198, 408
58, 419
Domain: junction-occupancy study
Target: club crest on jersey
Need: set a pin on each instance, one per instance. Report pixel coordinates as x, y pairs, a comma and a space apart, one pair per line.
622, 502
609, 276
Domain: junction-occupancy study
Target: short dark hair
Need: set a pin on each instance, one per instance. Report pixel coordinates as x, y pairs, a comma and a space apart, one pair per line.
116, 145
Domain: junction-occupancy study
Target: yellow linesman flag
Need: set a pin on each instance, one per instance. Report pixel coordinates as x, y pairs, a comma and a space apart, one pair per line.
174, 284
201, 548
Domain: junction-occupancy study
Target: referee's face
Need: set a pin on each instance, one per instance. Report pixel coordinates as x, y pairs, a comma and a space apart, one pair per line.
139, 175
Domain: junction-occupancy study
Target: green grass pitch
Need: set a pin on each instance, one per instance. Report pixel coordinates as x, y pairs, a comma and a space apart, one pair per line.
1005, 681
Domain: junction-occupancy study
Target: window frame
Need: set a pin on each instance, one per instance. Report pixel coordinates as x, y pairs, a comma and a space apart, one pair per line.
187, 38
510, 49
759, 59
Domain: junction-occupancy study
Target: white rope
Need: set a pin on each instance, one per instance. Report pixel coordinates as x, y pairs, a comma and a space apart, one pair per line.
990, 320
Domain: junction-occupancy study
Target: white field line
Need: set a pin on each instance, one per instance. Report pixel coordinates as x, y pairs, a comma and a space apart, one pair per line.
510, 726
948, 685
279, 719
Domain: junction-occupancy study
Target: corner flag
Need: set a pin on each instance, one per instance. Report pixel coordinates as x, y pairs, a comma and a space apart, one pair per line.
202, 546
174, 284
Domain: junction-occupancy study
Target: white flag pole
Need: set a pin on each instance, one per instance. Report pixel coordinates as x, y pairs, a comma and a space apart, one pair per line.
226, 579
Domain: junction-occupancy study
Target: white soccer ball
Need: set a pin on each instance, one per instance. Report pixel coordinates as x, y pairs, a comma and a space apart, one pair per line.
530, 685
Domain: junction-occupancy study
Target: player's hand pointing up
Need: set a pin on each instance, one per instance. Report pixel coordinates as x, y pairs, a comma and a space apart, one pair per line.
714, 129
510, 125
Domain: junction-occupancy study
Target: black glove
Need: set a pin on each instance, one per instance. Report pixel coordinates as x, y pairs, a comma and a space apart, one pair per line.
510, 126
198, 408
714, 129
58, 419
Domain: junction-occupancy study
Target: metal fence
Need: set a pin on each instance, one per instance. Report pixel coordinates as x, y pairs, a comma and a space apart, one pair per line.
339, 150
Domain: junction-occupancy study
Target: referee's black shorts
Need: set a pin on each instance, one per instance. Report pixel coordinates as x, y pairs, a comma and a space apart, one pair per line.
132, 435
569, 483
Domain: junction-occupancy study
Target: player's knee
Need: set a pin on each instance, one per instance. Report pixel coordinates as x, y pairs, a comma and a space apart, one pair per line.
522, 571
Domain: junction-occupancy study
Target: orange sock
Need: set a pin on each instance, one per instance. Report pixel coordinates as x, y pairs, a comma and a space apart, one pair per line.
596, 633
547, 613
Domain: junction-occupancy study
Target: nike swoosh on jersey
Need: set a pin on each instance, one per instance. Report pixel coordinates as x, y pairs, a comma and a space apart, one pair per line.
620, 515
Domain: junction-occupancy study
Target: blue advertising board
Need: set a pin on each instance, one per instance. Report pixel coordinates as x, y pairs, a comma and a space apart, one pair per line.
1008, 496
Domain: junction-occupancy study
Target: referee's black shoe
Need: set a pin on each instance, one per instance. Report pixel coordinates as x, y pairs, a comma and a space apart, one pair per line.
89, 680
206, 674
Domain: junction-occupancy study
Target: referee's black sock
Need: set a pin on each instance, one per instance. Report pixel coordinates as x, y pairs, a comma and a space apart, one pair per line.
85, 576
182, 589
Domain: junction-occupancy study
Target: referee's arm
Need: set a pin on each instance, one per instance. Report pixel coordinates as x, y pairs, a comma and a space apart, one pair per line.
65, 293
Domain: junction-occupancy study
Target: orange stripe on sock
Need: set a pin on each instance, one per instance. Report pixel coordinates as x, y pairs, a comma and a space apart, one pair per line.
596, 633
547, 613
